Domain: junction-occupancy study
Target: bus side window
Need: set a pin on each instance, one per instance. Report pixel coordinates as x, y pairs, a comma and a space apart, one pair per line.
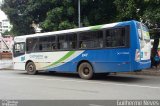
32, 44
91, 39
72, 45
40, 47
83, 44
52, 42
72, 41
115, 37
53, 46
64, 45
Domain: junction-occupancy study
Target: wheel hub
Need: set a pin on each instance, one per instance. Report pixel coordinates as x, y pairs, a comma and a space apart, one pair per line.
86, 71
30, 68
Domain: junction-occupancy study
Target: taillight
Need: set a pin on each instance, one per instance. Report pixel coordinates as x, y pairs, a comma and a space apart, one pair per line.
137, 55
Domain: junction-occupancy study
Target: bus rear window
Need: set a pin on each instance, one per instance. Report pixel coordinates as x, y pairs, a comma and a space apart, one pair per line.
145, 32
139, 30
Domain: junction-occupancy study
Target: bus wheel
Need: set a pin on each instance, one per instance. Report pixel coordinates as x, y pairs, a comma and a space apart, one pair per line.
31, 68
85, 71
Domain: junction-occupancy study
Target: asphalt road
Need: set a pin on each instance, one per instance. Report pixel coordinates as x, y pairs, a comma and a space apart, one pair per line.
44, 86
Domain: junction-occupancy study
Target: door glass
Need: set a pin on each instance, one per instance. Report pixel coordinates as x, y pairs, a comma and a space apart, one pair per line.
19, 49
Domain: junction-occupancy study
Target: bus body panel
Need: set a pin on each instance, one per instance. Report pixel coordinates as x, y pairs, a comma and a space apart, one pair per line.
101, 60
136, 45
19, 63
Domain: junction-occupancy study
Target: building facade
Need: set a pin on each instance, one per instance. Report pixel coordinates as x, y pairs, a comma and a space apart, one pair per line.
6, 43
4, 25
1, 2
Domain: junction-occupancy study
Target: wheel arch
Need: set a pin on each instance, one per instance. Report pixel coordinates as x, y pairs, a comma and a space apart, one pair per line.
27, 63
82, 62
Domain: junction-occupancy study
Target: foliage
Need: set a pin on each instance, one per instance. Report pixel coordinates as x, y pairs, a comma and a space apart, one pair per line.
6, 33
15, 9
151, 15
53, 15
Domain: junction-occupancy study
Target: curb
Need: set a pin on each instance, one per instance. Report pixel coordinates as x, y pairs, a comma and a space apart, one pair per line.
151, 72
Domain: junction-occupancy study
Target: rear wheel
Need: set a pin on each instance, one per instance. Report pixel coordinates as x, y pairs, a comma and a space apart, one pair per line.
31, 68
85, 71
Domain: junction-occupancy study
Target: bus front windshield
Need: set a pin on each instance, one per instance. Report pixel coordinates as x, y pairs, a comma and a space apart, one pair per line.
19, 48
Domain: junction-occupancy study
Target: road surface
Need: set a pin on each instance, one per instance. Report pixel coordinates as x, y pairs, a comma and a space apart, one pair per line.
44, 86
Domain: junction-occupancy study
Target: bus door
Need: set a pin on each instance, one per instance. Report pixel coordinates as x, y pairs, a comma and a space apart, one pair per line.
19, 55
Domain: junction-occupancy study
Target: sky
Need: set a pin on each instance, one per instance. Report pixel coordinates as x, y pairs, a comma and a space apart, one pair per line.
2, 15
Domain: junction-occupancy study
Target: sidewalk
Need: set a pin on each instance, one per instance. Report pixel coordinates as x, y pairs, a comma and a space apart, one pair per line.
151, 71
6, 64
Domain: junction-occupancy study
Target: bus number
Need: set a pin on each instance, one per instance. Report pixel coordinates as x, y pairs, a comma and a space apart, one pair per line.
84, 55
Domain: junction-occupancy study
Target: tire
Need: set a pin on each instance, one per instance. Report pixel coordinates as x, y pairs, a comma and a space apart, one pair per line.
85, 71
31, 68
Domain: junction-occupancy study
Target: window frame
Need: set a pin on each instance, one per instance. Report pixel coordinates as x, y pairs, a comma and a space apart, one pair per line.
127, 38
15, 54
50, 43
67, 34
90, 40
33, 51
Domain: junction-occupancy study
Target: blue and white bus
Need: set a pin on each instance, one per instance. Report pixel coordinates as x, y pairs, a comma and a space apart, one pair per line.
116, 47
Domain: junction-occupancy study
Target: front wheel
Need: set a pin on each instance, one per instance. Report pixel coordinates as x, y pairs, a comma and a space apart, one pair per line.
85, 71
31, 68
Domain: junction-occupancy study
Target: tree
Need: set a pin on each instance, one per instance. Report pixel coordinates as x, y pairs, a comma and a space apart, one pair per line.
99, 12
61, 16
15, 9
53, 15
151, 17
129, 9
6, 33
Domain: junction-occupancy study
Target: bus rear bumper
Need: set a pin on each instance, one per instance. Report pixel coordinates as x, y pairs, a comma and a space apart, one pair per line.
143, 65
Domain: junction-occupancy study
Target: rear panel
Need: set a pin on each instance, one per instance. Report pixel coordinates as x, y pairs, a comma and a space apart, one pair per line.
143, 48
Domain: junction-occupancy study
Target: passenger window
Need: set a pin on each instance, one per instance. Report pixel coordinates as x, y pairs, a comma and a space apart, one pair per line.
93, 39
44, 44
68, 41
62, 42
116, 37
32, 44
47, 43
72, 41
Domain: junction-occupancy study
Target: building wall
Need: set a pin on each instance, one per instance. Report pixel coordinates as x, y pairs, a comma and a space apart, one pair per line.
1, 2
5, 26
8, 41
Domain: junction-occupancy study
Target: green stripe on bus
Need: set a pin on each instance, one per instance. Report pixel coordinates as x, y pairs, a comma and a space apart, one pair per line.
62, 59
97, 27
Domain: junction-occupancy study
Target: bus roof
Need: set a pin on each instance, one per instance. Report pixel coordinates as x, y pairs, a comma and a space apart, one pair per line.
97, 27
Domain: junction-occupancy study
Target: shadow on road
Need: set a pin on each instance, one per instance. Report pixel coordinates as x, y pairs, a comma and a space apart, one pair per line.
119, 78
113, 78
